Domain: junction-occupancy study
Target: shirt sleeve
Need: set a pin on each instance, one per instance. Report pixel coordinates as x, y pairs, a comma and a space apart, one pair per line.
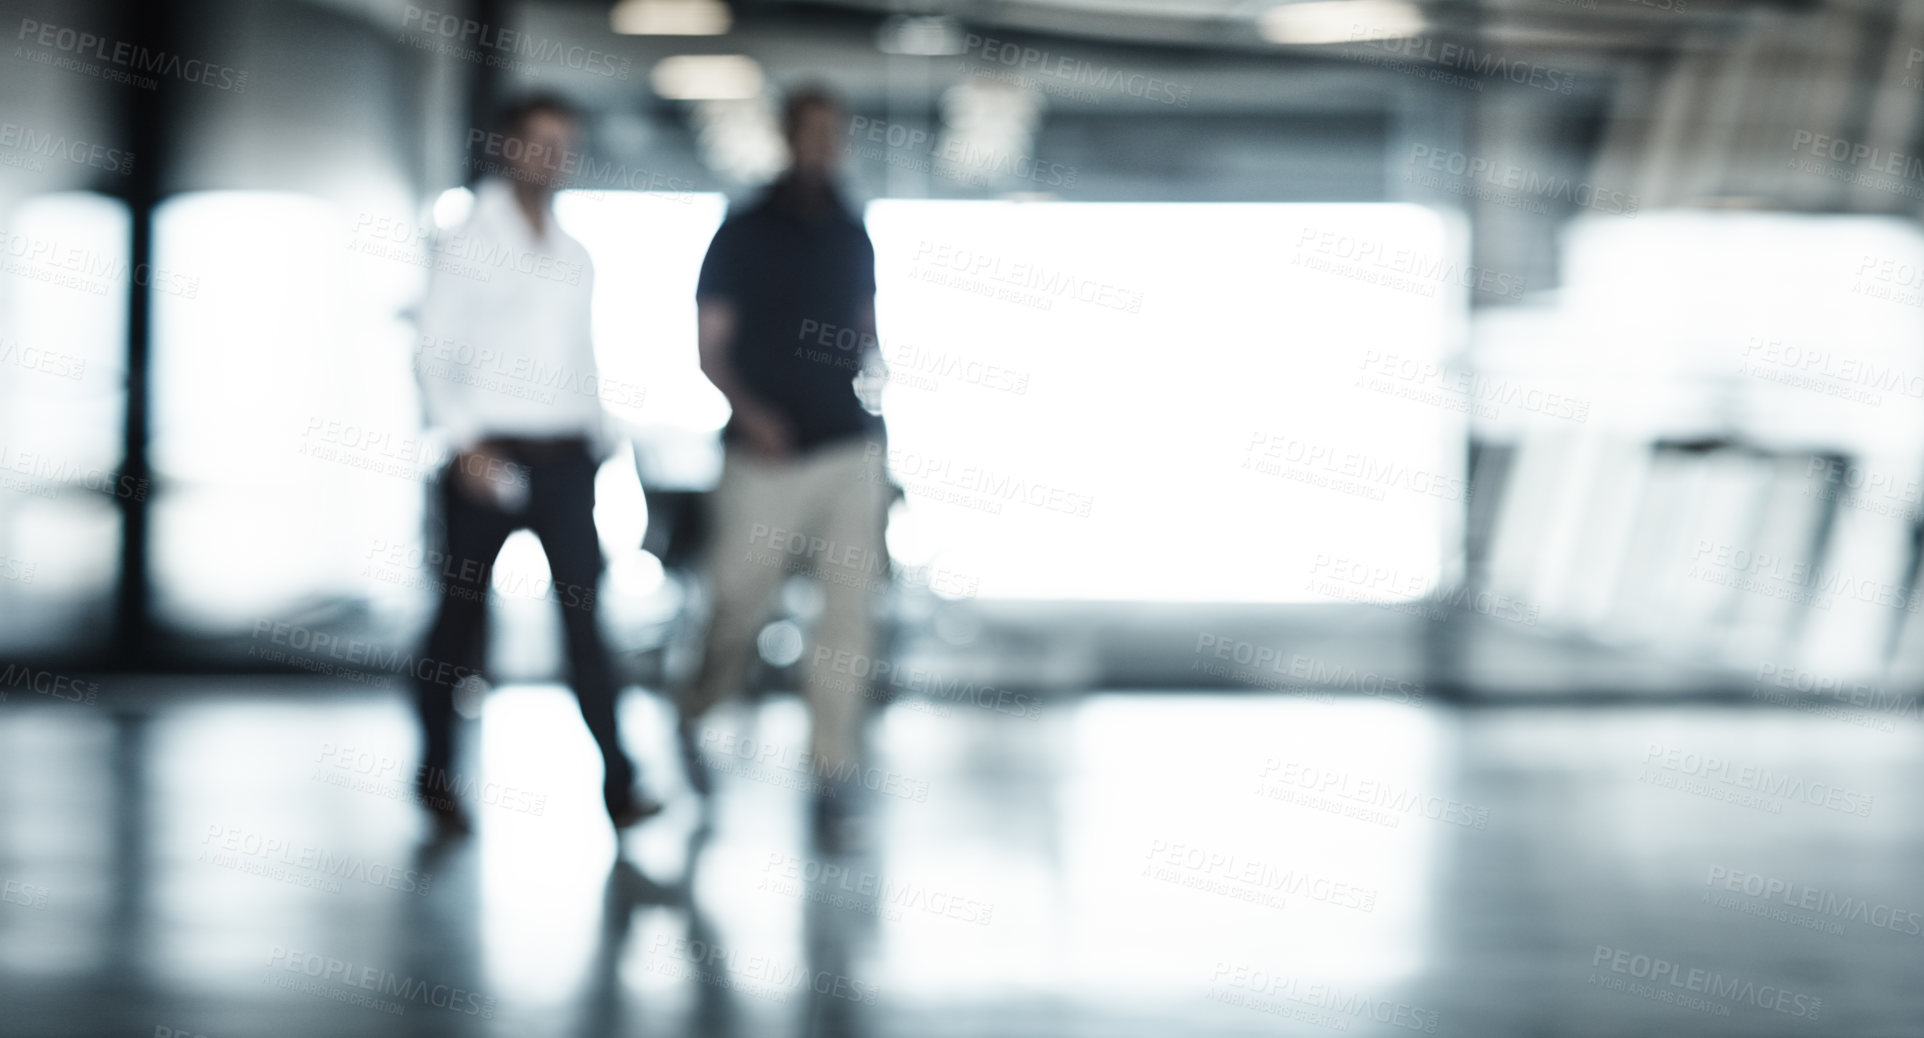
442, 350
721, 268
605, 434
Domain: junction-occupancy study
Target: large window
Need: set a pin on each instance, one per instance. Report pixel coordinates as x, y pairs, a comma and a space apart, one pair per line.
63, 333
286, 430
1107, 402
1234, 403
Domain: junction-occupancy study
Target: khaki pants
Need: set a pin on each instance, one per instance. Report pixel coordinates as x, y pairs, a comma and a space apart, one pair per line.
819, 513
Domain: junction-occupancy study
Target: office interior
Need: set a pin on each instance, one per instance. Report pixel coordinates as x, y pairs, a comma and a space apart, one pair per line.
1406, 516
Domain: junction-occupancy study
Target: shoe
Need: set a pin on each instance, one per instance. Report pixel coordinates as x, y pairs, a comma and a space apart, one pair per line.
632, 810
692, 762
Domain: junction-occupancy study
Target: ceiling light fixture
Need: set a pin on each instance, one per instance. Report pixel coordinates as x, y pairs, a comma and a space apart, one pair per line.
926, 36
670, 17
1340, 21
707, 77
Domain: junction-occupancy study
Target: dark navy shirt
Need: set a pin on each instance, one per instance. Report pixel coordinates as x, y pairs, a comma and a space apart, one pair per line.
799, 279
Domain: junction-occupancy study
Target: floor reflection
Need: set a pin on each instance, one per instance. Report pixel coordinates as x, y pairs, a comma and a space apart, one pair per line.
1121, 864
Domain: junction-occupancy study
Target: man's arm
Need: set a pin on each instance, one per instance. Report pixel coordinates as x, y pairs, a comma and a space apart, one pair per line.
865, 331
767, 431
872, 367
865, 314
447, 328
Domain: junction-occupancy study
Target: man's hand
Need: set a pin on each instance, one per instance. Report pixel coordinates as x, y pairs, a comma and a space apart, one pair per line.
767, 433
483, 473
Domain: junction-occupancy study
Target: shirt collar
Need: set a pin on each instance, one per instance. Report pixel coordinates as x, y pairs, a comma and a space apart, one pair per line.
496, 209
780, 198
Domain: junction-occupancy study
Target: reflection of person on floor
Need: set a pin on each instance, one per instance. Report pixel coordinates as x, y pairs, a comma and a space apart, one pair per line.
786, 305
523, 460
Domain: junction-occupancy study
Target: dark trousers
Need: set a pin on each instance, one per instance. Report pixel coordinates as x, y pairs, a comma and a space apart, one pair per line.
560, 511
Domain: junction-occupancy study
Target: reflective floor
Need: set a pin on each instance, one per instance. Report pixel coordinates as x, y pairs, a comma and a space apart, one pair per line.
244, 861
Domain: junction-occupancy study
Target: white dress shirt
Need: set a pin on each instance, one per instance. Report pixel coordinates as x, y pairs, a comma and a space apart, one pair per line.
505, 347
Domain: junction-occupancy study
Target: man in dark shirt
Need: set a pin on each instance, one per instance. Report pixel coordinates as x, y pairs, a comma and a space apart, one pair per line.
786, 314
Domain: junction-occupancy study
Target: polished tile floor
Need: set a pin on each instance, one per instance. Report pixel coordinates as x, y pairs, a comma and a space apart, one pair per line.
238, 859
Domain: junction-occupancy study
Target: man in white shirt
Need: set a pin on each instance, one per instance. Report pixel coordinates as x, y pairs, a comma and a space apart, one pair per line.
508, 377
